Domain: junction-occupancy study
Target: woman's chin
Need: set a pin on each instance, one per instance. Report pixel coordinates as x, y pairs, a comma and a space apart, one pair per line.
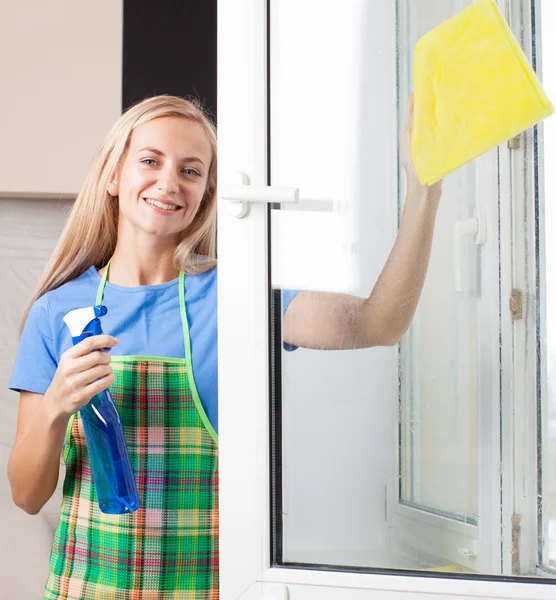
149, 227
156, 231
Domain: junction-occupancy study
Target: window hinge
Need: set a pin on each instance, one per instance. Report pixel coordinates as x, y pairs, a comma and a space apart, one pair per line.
516, 541
516, 305
515, 142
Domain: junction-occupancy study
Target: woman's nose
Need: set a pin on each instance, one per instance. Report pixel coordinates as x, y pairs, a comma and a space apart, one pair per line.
168, 182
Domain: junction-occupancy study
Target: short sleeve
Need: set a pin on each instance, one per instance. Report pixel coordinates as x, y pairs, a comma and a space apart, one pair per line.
35, 362
287, 297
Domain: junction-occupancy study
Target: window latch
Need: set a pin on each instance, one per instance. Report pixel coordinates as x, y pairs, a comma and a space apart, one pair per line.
242, 194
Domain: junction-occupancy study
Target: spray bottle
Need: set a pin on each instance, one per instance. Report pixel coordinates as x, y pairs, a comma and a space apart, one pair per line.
104, 434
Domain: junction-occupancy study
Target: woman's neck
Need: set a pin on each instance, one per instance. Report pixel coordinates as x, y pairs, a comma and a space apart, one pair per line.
129, 269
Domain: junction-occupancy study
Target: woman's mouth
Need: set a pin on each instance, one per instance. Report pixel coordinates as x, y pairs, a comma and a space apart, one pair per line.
161, 205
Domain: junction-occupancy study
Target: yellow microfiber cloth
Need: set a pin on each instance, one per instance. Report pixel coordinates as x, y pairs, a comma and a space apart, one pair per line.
474, 89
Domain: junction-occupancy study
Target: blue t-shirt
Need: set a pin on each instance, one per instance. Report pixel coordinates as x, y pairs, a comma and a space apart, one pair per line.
145, 319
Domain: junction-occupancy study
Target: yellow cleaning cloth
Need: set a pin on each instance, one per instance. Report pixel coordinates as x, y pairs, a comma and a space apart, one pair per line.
474, 89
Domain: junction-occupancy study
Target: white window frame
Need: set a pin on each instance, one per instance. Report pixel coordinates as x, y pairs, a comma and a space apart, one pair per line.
543, 264
246, 570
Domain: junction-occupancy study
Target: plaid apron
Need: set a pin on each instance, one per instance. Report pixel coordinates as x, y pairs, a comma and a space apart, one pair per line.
169, 547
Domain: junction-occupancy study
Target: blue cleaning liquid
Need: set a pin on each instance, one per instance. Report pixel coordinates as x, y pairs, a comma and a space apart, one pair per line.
104, 434
109, 458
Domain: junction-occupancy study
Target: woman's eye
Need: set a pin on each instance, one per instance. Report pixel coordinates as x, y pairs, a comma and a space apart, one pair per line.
189, 171
148, 161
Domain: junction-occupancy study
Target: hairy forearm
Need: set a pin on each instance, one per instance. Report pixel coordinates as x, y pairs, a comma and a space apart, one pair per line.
396, 293
34, 464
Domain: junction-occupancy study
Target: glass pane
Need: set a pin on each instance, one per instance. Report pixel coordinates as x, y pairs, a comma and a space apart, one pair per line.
439, 369
333, 135
401, 457
440, 354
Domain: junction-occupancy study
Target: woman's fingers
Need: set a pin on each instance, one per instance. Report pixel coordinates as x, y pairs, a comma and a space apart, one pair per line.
100, 385
87, 377
95, 342
83, 363
84, 370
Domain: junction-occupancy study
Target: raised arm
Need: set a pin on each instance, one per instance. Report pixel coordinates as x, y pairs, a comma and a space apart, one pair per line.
330, 321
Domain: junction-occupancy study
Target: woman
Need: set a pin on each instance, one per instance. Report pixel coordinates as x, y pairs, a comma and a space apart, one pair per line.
141, 240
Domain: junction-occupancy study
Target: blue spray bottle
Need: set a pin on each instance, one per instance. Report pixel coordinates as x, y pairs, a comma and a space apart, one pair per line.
104, 434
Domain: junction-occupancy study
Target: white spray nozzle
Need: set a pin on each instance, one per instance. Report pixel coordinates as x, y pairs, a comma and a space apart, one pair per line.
78, 319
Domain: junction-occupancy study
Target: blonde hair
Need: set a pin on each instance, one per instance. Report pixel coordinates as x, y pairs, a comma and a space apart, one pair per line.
90, 233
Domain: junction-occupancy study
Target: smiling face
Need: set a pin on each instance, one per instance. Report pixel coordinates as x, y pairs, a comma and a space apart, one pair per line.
162, 178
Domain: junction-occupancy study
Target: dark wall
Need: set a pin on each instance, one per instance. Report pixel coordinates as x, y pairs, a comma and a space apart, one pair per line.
169, 47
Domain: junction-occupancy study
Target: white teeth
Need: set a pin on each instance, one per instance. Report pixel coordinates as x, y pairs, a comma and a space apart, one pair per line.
161, 204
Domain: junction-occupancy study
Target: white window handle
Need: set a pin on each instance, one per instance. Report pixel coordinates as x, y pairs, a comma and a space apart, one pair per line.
243, 194
475, 225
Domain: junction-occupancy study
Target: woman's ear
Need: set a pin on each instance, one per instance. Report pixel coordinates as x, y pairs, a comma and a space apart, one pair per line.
113, 186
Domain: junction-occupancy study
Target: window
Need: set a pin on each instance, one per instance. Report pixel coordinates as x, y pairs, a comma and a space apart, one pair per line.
433, 458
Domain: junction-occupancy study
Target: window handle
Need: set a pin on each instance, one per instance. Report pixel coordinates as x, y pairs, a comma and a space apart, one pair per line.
477, 226
242, 194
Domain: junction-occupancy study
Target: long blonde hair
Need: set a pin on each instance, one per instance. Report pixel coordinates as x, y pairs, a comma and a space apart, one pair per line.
90, 233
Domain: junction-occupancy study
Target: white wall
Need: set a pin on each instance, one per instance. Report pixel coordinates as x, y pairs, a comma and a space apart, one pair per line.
61, 82
61, 90
28, 232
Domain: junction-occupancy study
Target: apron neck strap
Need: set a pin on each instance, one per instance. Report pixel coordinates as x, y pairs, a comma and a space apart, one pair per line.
184, 323
102, 285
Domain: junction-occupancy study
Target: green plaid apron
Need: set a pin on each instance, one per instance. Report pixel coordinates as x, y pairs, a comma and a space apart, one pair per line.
169, 547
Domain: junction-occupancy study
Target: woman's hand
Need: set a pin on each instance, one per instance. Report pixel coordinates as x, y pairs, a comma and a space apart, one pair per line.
405, 150
81, 374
